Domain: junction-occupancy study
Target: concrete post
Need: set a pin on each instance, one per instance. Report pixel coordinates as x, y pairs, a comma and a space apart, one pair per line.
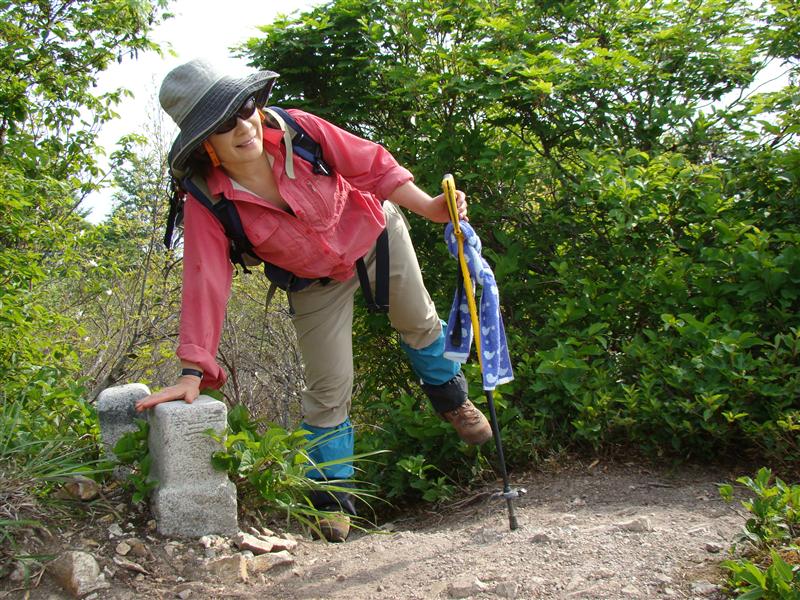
116, 413
192, 498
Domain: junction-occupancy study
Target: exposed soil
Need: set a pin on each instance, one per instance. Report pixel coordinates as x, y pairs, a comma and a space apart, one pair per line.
589, 531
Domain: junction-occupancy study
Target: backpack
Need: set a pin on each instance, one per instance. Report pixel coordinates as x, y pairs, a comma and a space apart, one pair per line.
241, 250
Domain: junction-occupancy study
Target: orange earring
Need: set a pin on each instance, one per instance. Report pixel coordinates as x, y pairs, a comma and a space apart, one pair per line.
262, 115
211, 154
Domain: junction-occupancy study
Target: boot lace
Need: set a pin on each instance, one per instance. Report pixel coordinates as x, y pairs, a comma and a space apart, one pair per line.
467, 414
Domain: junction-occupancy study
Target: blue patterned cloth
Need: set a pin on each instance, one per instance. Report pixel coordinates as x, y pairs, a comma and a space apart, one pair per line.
495, 362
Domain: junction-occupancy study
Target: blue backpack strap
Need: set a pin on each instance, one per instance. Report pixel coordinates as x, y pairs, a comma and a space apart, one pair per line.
304, 145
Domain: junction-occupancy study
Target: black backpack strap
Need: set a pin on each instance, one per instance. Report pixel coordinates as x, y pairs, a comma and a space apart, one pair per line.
303, 144
228, 216
380, 302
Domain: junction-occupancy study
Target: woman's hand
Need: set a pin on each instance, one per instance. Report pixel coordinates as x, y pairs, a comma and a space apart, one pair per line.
414, 199
187, 388
440, 213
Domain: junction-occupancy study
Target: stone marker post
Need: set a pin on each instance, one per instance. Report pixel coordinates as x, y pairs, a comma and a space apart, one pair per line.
192, 498
116, 412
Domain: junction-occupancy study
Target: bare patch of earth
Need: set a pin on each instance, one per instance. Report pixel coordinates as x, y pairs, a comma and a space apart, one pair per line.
605, 532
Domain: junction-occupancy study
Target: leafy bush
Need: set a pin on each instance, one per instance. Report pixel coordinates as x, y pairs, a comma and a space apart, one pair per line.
424, 458
132, 451
773, 533
30, 469
642, 220
270, 469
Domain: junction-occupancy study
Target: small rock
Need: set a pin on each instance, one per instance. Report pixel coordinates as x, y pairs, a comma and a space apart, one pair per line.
137, 547
280, 544
214, 541
184, 594
506, 589
704, 588
341, 577
130, 565
152, 525
578, 502
123, 548
172, 548
230, 569
245, 541
109, 518
115, 531
640, 525
19, 572
714, 547
81, 488
265, 562
602, 574
540, 538
267, 531
465, 586
78, 573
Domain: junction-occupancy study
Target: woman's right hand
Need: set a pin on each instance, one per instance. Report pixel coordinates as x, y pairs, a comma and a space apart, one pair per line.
187, 388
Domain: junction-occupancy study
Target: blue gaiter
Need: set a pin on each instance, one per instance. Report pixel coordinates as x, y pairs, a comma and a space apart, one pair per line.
331, 444
429, 364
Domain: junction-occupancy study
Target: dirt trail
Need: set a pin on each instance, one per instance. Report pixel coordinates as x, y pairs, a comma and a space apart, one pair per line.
606, 532
618, 533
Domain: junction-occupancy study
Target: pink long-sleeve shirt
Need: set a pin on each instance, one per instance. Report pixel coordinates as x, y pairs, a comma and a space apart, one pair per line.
335, 222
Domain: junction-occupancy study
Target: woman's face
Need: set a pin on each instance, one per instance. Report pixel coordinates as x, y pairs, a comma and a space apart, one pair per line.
241, 144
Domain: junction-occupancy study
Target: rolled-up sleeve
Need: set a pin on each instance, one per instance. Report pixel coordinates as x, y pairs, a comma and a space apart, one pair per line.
207, 275
366, 165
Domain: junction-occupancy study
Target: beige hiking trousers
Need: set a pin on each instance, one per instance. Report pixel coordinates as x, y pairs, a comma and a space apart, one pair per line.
323, 319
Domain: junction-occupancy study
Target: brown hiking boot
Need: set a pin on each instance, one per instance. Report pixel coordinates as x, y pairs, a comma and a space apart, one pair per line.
470, 423
334, 528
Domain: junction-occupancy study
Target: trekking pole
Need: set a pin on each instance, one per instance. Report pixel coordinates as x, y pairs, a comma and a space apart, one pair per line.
449, 188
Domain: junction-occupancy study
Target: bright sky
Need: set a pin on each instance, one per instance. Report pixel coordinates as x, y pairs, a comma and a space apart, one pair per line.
200, 28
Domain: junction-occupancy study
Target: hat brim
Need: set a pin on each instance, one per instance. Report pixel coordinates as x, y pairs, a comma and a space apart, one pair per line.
221, 101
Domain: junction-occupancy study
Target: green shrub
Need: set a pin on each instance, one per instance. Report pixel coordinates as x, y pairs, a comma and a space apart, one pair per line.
270, 468
773, 532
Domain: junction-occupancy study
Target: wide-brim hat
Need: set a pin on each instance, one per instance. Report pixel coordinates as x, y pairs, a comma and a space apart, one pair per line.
200, 95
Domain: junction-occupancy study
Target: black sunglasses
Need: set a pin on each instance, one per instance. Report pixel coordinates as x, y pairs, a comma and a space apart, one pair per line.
245, 111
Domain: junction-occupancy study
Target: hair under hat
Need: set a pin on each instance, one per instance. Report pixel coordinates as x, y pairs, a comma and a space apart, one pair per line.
199, 95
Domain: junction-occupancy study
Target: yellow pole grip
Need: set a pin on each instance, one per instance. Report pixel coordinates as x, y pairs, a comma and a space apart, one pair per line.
449, 189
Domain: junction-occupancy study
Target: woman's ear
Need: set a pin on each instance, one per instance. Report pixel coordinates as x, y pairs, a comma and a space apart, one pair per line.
211, 154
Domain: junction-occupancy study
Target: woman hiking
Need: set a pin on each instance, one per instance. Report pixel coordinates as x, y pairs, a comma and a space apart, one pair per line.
316, 226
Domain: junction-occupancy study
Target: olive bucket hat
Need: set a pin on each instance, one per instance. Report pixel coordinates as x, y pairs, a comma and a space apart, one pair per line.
199, 95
